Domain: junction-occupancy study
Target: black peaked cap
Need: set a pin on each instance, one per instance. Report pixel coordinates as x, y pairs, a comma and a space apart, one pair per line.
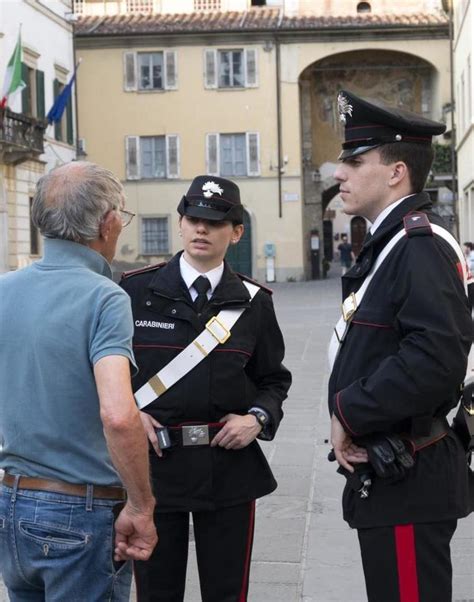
370, 123
212, 198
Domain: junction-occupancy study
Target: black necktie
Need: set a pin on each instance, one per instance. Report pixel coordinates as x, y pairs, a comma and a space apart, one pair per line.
202, 285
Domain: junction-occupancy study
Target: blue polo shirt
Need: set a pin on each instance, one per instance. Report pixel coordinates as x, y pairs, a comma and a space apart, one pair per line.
58, 317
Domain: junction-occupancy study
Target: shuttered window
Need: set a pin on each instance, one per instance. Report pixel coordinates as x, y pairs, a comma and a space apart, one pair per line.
150, 71
155, 236
40, 103
232, 68
152, 157
233, 161
232, 155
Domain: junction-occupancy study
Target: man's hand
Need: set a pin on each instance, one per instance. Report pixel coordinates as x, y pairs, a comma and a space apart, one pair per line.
150, 424
135, 534
238, 431
345, 449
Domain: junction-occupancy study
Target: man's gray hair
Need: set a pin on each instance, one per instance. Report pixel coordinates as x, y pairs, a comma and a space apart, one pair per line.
71, 200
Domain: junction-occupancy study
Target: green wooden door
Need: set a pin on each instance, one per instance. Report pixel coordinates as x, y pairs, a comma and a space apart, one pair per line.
239, 256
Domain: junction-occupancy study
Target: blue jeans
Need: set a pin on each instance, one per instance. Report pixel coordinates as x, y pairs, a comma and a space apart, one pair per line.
59, 548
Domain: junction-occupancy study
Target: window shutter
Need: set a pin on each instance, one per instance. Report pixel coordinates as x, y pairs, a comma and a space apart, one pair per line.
40, 104
253, 153
26, 92
210, 68
172, 156
132, 157
129, 71
212, 154
69, 122
251, 71
58, 126
171, 70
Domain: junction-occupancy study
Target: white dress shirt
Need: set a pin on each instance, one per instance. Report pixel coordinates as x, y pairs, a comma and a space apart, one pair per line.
189, 275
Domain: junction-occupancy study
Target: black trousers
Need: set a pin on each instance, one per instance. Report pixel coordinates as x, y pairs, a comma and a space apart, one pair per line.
408, 563
224, 541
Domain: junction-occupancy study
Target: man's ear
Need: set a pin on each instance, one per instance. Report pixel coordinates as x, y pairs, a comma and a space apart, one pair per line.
399, 171
106, 225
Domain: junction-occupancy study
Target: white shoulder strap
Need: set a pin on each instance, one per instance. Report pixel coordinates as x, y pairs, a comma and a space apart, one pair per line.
216, 332
351, 303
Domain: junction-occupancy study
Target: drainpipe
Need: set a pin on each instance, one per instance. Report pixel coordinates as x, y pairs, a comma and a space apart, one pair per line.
278, 107
453, 124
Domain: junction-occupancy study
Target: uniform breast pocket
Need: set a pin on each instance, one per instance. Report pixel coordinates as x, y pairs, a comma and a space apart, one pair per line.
375, 326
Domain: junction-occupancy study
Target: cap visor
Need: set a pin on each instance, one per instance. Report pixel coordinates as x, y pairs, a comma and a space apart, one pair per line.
358, 150
205, 213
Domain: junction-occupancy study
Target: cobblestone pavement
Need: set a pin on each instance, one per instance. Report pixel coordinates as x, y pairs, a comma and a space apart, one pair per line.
303, 551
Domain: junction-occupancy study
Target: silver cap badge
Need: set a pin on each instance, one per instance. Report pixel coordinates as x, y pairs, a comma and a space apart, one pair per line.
344, 108
211, 188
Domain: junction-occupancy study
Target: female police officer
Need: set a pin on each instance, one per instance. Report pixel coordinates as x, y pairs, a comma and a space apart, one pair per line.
215, 404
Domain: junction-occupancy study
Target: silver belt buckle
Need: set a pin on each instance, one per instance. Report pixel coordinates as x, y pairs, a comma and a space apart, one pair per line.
349, 307
197, 434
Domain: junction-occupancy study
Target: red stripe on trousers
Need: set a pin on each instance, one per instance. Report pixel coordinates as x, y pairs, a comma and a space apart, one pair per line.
245, 581
406, 563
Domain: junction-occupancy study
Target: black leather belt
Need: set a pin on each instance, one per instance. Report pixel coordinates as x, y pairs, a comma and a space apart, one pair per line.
193, 435
37, 484
439, 429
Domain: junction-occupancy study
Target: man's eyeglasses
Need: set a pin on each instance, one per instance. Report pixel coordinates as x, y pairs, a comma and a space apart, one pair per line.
126, 216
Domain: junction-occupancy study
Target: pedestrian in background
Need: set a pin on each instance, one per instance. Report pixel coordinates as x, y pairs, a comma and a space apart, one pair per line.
211, 382
469, 252
70, 432
346, 254
399, 359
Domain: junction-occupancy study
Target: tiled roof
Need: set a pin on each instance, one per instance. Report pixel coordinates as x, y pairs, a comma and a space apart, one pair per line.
261, 19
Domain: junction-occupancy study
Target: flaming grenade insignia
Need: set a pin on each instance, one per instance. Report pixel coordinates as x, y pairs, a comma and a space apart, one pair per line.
344, 108
211, 188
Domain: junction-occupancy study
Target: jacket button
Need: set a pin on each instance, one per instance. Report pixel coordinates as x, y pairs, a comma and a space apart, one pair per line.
148, 303
173, 311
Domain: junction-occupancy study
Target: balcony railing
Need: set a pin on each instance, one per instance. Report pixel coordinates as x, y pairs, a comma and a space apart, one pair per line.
21, 137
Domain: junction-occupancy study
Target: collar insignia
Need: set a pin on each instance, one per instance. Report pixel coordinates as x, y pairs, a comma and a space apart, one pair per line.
344, 108
211, 188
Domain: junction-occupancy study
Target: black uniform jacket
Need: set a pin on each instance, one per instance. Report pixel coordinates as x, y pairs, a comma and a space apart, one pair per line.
404, 357
245, 371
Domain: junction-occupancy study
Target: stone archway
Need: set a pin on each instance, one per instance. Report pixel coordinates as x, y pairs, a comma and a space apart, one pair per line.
397, 78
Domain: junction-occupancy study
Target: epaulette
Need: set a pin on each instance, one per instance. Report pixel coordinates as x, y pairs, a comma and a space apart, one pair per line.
417, 223
264, 288
147, 268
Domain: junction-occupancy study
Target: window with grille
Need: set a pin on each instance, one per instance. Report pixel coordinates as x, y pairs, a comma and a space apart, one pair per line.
207, 5
140, 6
154, 235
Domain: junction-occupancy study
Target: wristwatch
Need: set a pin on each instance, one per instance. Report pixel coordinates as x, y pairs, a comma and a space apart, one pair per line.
260, 415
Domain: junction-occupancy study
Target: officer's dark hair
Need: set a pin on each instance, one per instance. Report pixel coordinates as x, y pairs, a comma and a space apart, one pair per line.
71, 201
417, 157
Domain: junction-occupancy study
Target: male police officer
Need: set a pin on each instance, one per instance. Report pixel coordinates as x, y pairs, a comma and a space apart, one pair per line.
400, 357
220, 384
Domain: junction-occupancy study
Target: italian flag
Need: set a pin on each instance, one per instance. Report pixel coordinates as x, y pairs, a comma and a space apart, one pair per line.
13, 82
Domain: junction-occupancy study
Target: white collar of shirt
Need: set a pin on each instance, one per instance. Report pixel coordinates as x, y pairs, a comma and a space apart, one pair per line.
381, 216
189, 275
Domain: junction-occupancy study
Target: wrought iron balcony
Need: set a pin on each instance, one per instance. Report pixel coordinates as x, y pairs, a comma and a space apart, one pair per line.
21, 137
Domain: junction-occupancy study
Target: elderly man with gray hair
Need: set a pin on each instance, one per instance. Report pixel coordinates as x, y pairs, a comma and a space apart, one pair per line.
75, 502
